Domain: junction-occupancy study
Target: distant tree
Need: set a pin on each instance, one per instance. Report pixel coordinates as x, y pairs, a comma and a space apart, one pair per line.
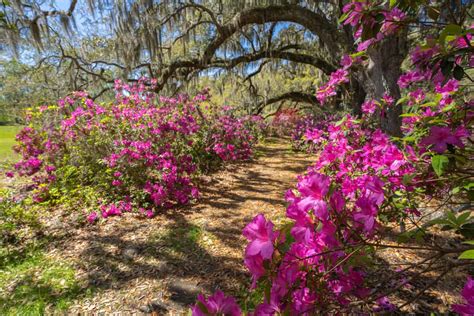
178, 41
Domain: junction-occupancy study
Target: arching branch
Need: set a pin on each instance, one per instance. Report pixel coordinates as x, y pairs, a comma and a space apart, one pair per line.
281, 53
296, 96
329, 36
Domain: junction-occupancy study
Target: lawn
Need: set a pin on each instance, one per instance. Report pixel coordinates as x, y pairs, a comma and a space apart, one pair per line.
7, 140
31, 283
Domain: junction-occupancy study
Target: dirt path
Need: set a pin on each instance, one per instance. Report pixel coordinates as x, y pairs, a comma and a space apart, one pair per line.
139, 265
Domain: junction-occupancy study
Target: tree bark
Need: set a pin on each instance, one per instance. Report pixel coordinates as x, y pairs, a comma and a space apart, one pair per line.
333, 40
382, 74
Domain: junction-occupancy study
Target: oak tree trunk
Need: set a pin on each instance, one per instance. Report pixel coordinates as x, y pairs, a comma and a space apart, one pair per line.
381, 77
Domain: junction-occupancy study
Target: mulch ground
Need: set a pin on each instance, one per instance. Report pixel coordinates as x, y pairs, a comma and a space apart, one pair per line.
158, 266
138, 265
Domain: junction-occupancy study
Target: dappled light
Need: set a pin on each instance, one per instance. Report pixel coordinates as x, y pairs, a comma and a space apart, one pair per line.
223, 157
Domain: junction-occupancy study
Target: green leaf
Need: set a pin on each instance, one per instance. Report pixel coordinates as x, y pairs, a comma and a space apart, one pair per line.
409, 115
267, 291
446, 67
407, 178
202, 307
367, 32
469, 242
393, 3
448, 108
439, 221
458, 72
451, 29
439, 162
452, 218
467, 230
468, 254
380, 17
462, 219
430, 104
402, 100
343, 17
339, 123
409, 138
433, 13
358, 54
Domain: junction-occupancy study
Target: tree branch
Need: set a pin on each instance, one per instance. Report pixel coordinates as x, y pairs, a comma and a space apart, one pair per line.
294, 96
329, 36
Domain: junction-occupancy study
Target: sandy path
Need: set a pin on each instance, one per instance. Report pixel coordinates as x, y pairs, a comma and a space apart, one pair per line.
140, 266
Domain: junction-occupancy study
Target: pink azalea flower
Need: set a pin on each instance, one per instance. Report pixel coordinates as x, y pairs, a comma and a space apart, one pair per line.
346, 61
302, 301
337, 201
369, 107
366, 216
92, 217
355, 12
261, 236
410, 77
440, 137
468, 294
448, 88
313, 135
417, 96
255, 266
362, 46
216, 304
388, 99
392, 21
315, 185
384, 306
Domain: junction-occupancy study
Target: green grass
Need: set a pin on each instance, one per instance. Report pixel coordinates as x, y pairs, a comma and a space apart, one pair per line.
7, 140
181, 239
31, 283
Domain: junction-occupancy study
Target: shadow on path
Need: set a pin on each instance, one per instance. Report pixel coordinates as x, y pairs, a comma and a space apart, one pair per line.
163, 263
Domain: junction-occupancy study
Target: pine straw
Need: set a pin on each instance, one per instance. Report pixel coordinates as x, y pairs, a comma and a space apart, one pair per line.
140, 266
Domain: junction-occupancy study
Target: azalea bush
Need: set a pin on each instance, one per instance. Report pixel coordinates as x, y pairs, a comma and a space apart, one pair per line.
306, 135
365, 183
140, 153
234, 138
284, 121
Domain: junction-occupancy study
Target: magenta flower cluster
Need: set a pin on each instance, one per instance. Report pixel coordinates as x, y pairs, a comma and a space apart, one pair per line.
315, 264
467, 294
232, 139
285, 121
308, 132
141, 152
335, 205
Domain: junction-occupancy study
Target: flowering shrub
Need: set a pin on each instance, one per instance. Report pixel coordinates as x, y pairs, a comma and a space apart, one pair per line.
307, 133
141, 152
363, 180
217, 304
233, 138
468, 295
284, 122
334, 212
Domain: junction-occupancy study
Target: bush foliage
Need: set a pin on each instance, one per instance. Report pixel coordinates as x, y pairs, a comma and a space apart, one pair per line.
141, 152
